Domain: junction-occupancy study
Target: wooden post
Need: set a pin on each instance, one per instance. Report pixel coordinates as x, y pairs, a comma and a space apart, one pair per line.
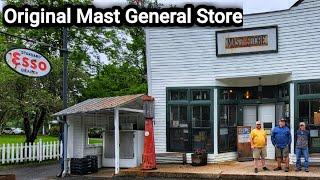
116, 141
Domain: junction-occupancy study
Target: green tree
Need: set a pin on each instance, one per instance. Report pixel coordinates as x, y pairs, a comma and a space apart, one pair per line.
34, 99
115, 80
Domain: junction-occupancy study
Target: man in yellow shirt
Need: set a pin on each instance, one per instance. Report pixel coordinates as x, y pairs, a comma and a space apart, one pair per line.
258, 145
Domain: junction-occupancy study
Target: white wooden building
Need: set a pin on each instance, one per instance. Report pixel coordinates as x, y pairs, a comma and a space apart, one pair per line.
122, 122
201, 95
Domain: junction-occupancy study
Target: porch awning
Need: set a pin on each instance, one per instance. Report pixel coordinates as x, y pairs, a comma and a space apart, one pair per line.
252, 79
98, 104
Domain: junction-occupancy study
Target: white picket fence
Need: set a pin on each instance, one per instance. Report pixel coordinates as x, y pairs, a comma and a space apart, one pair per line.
26, 152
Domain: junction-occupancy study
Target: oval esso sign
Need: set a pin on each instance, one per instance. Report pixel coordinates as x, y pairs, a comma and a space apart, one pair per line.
28, 62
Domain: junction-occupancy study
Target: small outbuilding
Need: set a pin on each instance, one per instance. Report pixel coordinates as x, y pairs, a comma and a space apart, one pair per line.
122, 124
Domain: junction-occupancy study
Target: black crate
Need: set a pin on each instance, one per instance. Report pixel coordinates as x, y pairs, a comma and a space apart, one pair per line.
82, 166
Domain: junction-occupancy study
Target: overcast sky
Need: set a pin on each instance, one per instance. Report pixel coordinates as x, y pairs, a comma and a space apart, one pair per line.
249, 6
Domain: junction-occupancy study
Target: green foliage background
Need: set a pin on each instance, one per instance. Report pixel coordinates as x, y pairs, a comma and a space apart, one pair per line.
33, 100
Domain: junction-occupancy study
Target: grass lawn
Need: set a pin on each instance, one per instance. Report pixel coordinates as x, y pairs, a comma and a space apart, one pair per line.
95, 140
5, 139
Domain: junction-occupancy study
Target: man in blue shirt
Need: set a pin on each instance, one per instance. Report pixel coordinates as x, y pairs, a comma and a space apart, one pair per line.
281, 139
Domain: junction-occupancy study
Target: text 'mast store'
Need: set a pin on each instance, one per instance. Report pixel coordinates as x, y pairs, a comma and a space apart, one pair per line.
207, 81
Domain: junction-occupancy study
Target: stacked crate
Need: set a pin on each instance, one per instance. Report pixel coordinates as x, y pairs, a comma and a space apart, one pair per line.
94, 163
82, 166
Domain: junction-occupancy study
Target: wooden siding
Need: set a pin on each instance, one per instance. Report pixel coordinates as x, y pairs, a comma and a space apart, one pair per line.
187, 57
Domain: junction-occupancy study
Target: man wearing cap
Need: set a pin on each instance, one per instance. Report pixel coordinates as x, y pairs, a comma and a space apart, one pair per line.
281, 139
258, 146
302, 147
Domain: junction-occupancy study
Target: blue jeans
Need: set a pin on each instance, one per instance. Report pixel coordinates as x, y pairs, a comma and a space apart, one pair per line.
305, 153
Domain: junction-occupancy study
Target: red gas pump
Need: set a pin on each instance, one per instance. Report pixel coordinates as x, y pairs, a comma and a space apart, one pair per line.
149, 154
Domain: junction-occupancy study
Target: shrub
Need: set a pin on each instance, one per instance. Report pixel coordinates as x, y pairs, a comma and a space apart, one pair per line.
54, 131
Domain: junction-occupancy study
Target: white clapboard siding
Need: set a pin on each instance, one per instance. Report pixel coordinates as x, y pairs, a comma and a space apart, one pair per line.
180, 57
26, 152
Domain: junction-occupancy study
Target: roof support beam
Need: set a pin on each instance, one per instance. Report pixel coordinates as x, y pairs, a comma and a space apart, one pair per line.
131, 110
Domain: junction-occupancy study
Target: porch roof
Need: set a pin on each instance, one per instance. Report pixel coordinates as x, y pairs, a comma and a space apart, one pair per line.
98, 104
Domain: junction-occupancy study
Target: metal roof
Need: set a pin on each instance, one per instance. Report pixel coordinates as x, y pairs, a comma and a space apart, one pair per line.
97, 104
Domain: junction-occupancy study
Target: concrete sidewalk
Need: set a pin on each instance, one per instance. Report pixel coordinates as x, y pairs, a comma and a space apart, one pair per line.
227, 170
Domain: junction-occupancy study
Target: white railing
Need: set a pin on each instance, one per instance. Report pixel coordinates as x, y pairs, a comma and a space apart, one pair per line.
26, 152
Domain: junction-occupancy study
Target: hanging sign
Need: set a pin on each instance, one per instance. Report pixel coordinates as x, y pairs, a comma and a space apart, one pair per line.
27, 62
247, 41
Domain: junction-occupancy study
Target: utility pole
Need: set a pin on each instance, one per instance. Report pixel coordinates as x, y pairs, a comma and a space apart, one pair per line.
65, 100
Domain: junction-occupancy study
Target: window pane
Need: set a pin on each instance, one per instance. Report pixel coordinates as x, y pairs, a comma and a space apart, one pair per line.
183, 95
178, 95
200, 94
304, 111
201, 116
232, 139
205, 95
304, 88
174, 95
315, 112
196, 95
250, 93
227, 129
283, 91
232, 115
223, 115
202, 139
178, 116
228, 94
268, 92
183, 114
179, 140
315, 88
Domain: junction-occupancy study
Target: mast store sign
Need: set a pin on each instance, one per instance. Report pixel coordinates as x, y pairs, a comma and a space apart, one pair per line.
247, 41
27, 62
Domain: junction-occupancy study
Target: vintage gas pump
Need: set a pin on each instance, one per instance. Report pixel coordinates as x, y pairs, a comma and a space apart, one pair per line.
149, 155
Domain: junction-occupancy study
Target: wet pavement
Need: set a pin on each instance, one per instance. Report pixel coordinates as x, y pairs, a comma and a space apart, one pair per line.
32, 171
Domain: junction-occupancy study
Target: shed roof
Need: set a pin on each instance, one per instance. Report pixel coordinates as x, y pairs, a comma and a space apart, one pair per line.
97, 104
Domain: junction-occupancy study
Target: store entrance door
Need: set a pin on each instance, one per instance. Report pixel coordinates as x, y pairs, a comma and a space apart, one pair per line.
266, 114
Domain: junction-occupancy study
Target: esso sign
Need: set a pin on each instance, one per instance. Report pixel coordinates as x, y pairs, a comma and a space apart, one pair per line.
28, 62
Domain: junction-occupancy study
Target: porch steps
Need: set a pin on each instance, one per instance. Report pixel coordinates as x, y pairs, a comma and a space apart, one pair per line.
172, 158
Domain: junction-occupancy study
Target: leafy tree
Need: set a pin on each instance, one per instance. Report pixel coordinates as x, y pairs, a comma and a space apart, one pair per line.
115, 80
34, 99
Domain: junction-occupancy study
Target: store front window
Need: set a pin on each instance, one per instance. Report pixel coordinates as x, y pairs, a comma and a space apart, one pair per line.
227, 128
190, 120
309, 111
